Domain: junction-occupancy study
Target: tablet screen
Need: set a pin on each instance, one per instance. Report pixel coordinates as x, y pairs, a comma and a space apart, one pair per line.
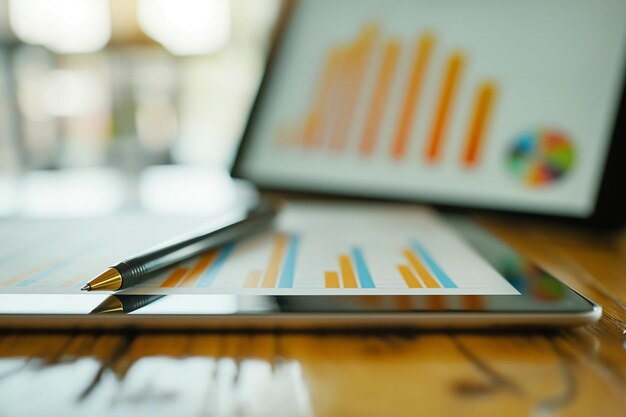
457, 267
498, 104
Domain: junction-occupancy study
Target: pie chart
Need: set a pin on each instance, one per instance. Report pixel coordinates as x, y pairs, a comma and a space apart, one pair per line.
541, 157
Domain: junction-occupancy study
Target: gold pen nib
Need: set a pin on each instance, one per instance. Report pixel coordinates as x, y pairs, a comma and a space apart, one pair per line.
108, 280
111, 304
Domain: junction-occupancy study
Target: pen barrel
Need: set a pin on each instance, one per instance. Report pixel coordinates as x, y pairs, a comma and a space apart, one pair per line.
132, 272
131, 303
140, 268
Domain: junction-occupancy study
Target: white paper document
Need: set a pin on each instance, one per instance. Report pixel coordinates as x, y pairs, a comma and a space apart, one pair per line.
314, 249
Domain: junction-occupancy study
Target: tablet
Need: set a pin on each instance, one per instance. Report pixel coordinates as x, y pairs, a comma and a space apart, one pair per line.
423, 272
501, 105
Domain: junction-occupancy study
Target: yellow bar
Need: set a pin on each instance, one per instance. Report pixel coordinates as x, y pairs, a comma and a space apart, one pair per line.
203, 263
428, 279
271, 273
409, 277
253, 279
174, 277
332, 279
347, 273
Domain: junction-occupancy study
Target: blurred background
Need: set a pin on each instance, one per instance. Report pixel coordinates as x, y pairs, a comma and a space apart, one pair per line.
93, 92
109, 104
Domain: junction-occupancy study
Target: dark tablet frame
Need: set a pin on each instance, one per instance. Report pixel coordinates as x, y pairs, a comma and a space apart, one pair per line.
609, 209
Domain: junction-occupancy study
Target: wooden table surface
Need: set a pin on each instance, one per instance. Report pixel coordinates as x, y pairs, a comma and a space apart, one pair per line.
565, 373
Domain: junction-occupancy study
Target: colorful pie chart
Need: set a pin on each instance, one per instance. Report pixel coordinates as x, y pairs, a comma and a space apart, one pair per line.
541, 157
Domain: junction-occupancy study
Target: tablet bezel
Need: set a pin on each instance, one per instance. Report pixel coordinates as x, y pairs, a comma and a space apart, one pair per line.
203, 311
609, 209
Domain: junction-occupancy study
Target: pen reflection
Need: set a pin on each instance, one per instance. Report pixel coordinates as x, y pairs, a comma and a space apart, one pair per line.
125, 303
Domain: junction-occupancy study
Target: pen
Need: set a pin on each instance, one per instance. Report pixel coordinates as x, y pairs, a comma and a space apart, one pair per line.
220, 231
124, 303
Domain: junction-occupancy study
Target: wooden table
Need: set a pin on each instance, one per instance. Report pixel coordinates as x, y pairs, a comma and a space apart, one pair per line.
565, 373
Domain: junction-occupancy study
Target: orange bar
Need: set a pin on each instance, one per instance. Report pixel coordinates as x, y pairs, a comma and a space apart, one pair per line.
428, 279
331, 279
358, 59
271, 273
347, 273
252, 281
423, 53
446, 100
203, 263
324, 88
483, 105
409, 277
174, 277
381, 92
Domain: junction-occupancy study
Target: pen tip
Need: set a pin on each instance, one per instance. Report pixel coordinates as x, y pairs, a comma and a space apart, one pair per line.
86, 287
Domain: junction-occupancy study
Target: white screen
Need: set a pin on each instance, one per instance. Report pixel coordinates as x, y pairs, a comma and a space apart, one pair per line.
504, 104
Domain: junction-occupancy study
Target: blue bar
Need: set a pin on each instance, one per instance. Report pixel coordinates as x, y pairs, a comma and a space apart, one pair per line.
443, 278
289, 267
206, 280
365, 279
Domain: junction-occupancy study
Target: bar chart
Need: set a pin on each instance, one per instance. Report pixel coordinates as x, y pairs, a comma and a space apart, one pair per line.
421, 270
441, 102
279, 253
342, 84
315, 249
